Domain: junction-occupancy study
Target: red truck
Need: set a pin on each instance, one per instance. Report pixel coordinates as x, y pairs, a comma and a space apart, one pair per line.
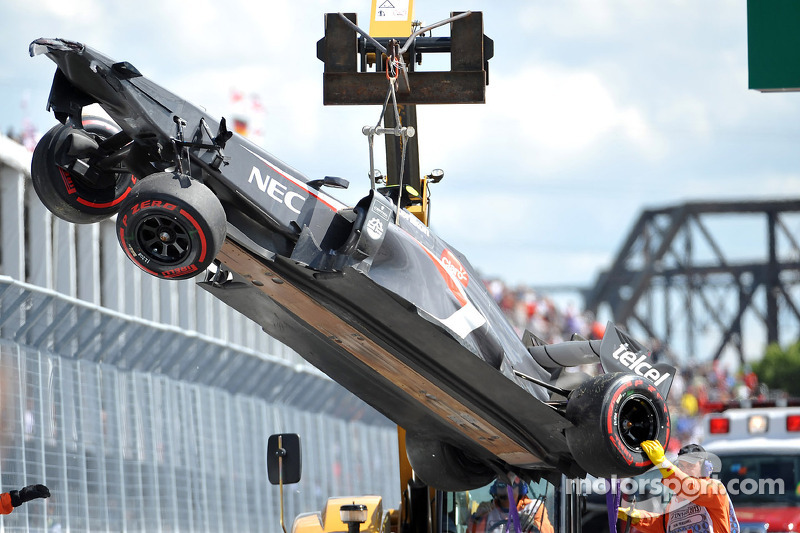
759, 463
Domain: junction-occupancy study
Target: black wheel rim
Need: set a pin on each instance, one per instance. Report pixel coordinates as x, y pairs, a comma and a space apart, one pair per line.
638, 421
164, 239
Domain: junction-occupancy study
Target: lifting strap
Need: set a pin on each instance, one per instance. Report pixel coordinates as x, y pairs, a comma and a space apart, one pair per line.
612, 502
513, 514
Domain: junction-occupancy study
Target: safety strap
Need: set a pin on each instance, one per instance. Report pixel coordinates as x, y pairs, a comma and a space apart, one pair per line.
612, 502
513, 515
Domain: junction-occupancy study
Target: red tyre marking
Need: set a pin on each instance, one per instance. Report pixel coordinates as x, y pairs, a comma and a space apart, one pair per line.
106, 204
199, 231
666, 420
182, 271
611, 407
93, 122
68, 184
615, 441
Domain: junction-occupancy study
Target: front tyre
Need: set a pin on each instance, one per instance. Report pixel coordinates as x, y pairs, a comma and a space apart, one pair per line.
69, 195
171, 226
611, 415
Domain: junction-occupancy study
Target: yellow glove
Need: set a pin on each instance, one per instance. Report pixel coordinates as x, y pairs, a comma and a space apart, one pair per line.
655, 452
625, 513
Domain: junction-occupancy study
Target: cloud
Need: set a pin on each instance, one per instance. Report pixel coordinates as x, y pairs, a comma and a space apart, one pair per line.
567, 112
595, 108
90, 10
587, 18
767, 186
629, 21
543, 120
536, 266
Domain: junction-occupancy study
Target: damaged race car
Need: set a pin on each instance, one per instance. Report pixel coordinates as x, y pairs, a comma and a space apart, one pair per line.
366, 293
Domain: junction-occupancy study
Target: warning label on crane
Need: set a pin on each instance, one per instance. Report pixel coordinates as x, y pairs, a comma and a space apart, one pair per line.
391, 18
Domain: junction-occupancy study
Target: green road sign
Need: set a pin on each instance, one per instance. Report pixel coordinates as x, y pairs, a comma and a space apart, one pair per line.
773, 42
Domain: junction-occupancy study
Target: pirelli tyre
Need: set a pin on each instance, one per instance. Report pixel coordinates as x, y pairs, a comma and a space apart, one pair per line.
611, 415
76, 198
171, 226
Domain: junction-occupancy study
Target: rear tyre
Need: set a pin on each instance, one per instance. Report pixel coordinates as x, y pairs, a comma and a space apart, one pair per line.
611, 415
68, 195
99, 125
443, 466
171, 226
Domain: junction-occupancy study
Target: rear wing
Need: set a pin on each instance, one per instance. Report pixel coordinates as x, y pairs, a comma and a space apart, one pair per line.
616, 352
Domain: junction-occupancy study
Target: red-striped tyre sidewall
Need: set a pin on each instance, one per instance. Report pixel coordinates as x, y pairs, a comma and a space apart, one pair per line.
66, 195
186, 212
595, 440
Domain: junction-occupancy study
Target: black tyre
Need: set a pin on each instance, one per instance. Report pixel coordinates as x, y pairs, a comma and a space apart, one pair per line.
611, 415
443, 466
171, 226
69, 195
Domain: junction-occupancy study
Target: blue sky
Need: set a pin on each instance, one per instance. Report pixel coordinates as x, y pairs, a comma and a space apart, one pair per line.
596, 109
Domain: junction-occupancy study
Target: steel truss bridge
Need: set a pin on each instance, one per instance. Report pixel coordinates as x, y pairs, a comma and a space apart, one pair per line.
708, 279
